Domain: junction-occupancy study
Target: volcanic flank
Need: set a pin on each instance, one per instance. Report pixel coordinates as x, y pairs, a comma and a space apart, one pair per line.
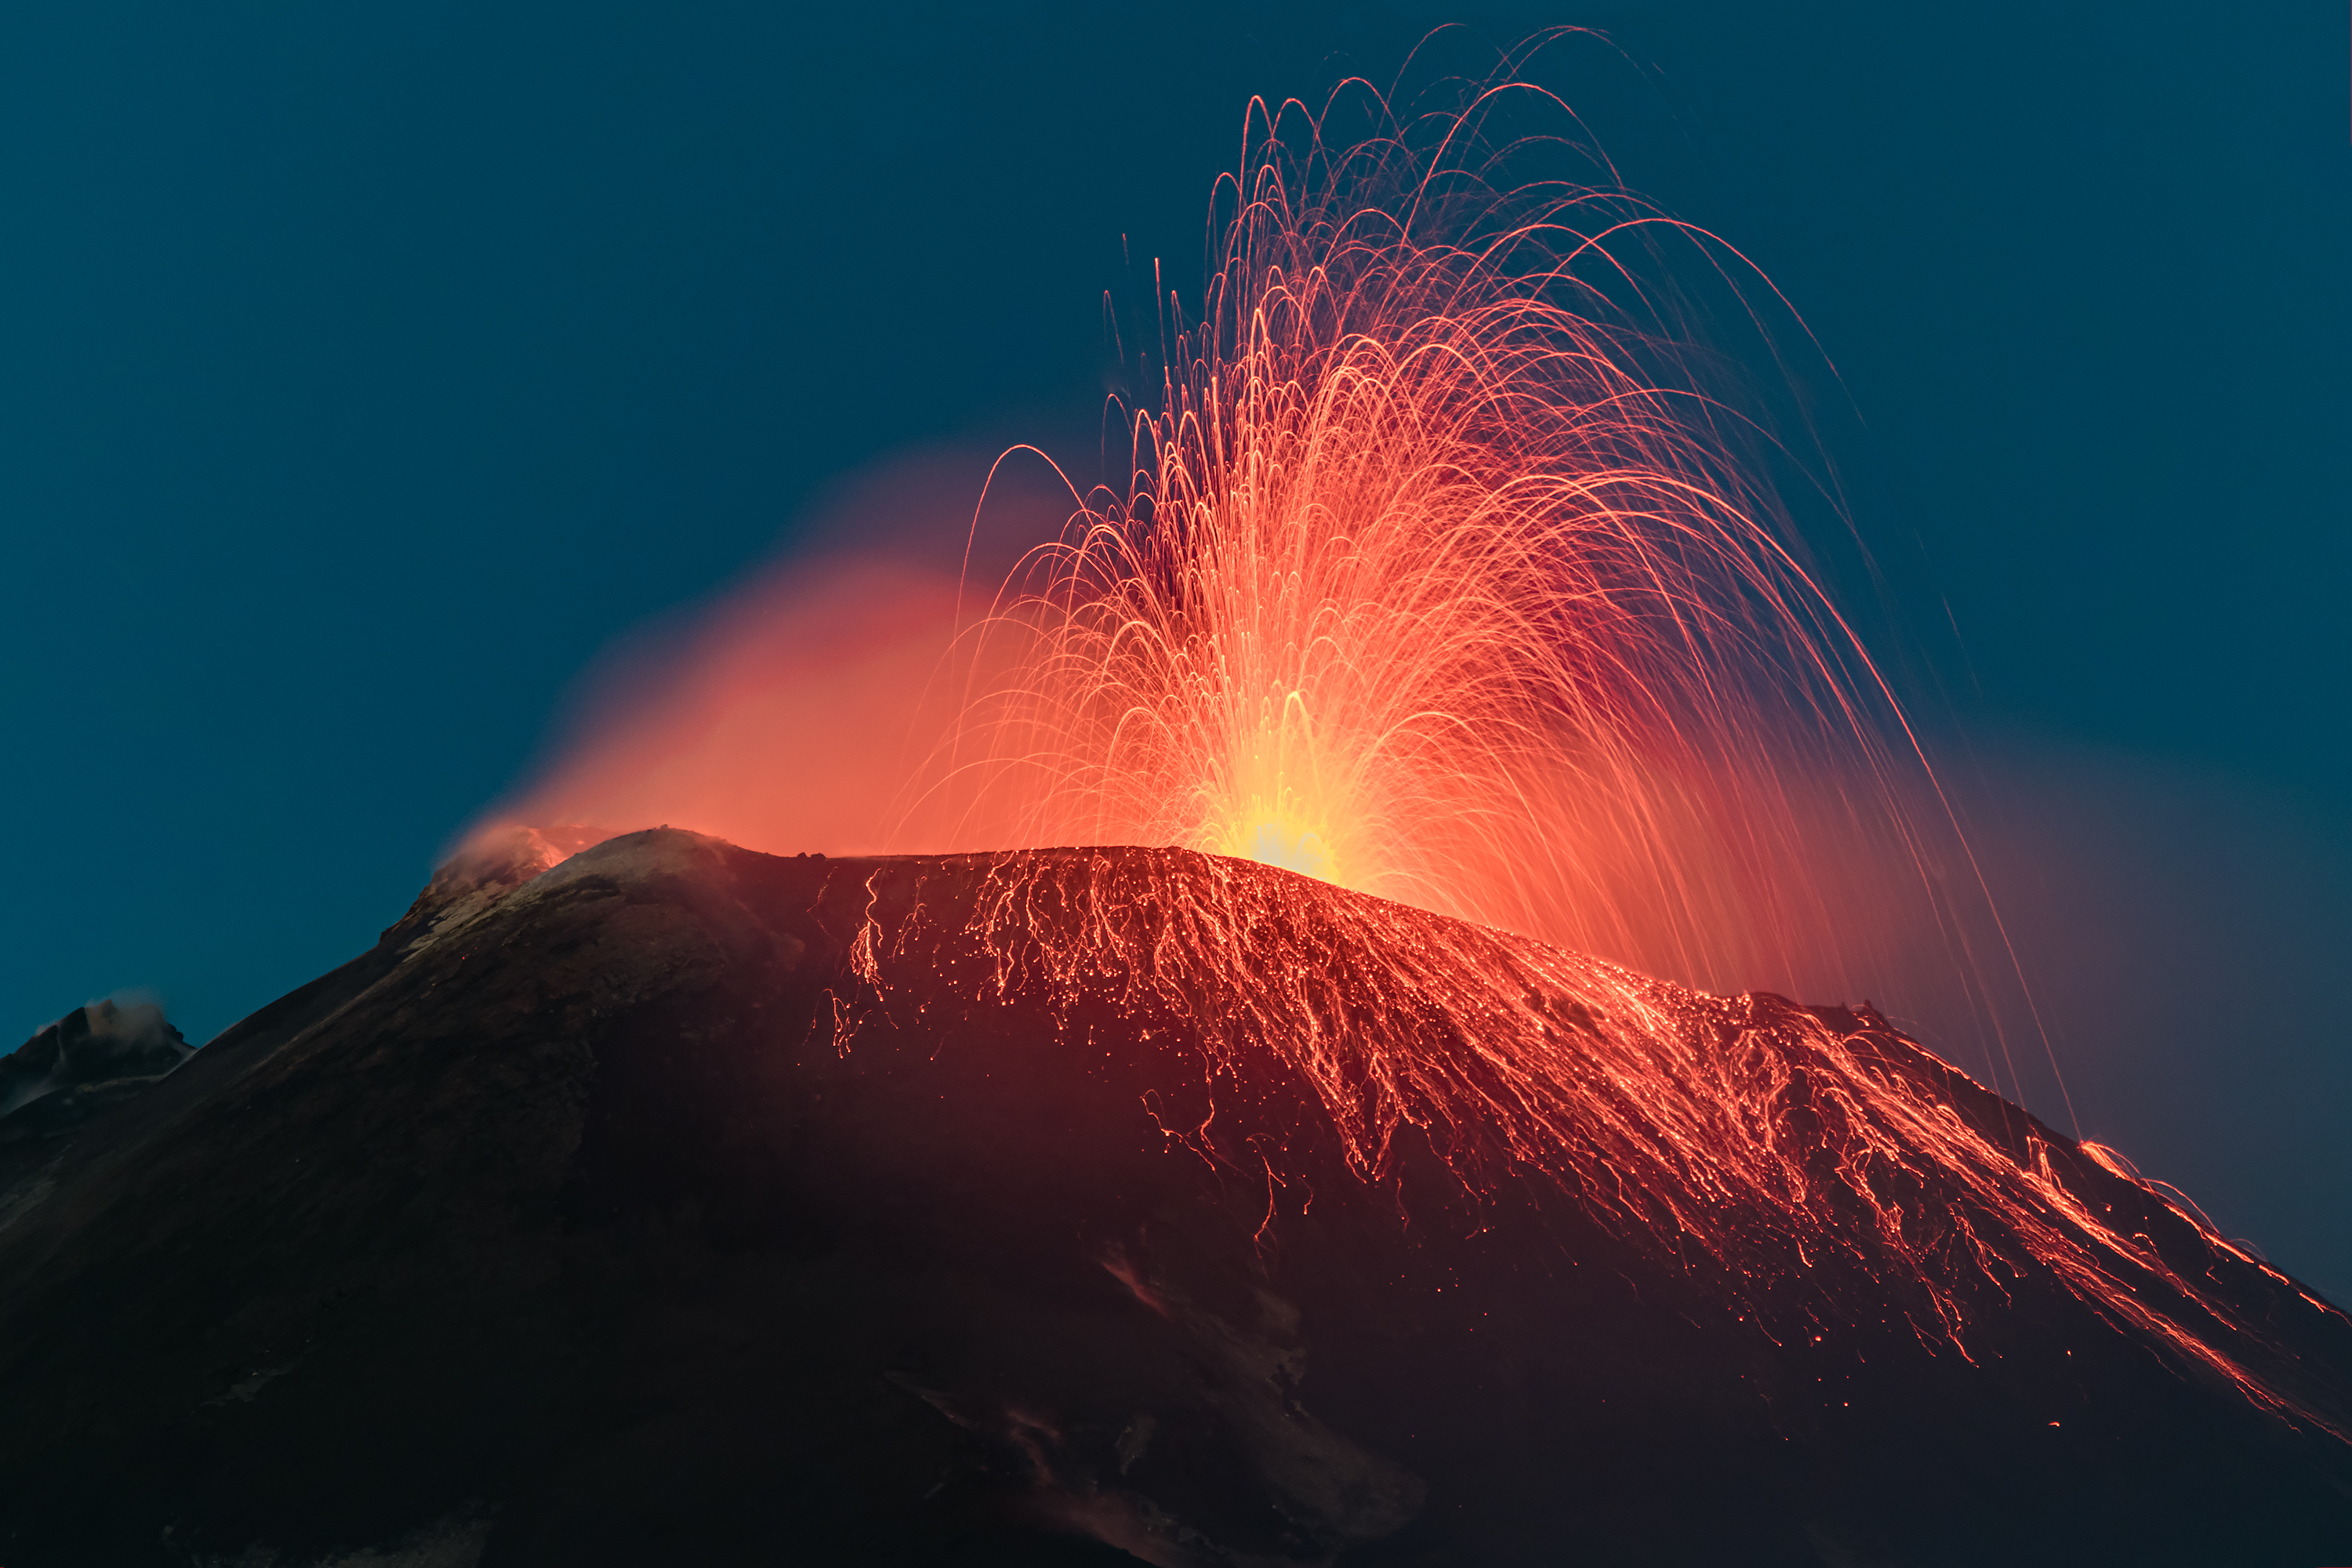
685, 1205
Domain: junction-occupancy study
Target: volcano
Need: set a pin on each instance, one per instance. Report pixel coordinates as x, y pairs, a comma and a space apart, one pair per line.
668, 1202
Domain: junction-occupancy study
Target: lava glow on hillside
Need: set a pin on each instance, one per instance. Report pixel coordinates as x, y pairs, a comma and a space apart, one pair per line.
1776, 1155
1442, 577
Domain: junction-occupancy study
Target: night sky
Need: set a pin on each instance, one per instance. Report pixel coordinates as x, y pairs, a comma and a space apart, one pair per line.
361, 377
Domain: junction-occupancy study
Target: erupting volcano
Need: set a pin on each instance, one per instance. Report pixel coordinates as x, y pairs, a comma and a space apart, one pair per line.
1448, 570
1438, 580
1304, 1089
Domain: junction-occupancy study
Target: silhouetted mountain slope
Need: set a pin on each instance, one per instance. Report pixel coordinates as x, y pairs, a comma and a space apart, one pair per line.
683, 1205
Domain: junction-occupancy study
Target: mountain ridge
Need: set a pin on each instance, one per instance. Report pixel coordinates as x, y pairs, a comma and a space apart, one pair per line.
671, 1202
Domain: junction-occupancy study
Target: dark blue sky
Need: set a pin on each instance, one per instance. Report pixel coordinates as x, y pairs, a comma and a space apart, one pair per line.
361, 377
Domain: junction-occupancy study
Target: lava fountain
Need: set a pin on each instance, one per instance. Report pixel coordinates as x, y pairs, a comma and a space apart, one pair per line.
1441, 575
1446, 572
1448, 568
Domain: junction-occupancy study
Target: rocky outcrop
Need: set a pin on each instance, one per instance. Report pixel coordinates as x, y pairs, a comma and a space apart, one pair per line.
680, 1205
92, 1058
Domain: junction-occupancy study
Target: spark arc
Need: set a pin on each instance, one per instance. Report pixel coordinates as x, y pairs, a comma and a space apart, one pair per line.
1441, 577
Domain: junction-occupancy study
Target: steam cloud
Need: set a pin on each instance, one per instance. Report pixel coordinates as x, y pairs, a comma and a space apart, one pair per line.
98, 1044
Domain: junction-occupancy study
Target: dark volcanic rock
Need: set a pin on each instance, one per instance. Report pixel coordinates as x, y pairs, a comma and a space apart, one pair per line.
92, 1058
688, 1205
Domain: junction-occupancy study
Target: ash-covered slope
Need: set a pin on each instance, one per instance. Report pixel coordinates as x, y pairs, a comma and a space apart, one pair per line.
685, 1204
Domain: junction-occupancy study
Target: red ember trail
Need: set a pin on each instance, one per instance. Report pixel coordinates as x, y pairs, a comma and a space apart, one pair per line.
1783, 1153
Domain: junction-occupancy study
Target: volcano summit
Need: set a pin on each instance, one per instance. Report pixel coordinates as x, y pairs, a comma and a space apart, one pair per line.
671, 1203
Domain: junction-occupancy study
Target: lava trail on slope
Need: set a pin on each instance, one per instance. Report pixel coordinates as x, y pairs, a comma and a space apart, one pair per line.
684, 1204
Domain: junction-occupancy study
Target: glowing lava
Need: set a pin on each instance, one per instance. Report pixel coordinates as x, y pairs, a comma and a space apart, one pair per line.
1813, 1168
1271, 841
1441, 577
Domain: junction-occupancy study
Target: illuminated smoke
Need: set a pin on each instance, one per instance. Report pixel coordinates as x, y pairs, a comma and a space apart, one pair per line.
789, 714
